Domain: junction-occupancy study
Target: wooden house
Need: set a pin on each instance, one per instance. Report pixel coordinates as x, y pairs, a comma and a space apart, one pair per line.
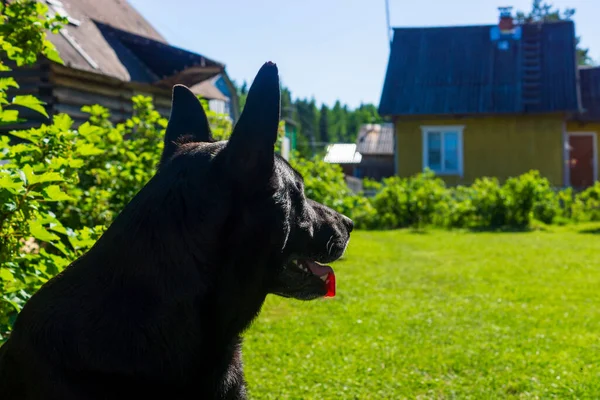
375, 142
110, 54
494, 100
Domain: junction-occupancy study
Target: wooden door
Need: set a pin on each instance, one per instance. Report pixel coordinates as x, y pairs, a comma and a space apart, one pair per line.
581, 160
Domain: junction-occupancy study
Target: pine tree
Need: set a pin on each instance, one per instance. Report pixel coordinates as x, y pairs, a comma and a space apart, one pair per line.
324, 124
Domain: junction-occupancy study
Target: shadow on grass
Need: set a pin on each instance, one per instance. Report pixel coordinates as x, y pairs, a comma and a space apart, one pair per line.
507, 229
593, 231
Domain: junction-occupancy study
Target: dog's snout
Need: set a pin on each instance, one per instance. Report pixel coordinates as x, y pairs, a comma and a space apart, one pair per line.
348, 223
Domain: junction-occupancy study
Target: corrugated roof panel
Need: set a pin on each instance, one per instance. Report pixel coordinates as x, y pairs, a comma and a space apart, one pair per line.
590, 93
342, 153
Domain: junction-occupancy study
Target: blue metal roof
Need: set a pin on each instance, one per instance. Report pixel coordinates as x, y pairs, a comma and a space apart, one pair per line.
465, 70
590, 93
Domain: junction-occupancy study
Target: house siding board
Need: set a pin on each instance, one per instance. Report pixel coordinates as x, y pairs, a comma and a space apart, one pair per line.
495, 146
376, 166
460, 71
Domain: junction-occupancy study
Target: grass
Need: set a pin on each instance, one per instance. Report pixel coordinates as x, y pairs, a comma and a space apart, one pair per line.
440, 315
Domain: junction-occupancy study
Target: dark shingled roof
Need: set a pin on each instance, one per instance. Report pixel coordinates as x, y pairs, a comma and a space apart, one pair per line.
590, 93
111, 38
376, 139
152, 61
460, 70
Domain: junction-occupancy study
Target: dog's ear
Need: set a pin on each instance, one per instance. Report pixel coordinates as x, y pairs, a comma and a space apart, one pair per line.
251, 146
187, 123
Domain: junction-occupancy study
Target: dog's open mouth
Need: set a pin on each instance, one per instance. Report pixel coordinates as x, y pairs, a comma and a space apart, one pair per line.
323, 272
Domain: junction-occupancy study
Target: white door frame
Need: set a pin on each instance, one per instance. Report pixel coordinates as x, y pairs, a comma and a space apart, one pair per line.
567, 152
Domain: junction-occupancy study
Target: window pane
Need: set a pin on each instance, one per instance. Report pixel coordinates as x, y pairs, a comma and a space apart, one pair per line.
450, 151
434, 150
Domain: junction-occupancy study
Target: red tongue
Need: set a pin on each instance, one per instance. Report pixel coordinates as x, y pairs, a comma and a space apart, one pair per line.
320, 270
330, 285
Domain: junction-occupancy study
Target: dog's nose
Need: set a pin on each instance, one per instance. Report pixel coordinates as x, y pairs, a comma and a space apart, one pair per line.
349, 223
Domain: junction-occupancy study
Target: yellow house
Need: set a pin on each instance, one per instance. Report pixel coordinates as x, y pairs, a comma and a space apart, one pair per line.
495, 100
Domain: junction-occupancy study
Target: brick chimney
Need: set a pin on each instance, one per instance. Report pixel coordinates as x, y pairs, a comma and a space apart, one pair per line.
507, 23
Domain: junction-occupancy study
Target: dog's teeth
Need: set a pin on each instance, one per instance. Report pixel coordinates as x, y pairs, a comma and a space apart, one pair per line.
323, 278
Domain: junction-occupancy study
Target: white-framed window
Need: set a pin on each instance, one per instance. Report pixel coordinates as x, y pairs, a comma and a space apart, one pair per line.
443, 149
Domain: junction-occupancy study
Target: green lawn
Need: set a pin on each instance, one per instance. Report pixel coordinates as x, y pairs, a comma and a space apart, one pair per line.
440, 315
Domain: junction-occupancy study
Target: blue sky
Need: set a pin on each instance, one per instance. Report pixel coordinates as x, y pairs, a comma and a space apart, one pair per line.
329, 49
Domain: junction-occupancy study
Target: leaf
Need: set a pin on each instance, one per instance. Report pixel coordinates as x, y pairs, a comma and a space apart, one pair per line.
39, 232
33, 135
29, 174
6, 275
87, 129
54, 193
6, 83
11, 302
9, 116
51, 52
50, 177
32, 178
62, 122
63, 249
30, 102
76, 163
89, 149
24, 147
7, 182
57, 162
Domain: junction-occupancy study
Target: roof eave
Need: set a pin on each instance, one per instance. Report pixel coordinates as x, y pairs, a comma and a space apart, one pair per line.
191, 76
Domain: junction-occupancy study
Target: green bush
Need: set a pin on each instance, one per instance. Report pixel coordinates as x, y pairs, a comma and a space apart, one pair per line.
409, 202
586, 206
457, 210
529, 196
424, 200
489, 202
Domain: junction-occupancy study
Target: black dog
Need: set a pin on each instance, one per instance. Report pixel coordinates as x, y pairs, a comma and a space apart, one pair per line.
156, 308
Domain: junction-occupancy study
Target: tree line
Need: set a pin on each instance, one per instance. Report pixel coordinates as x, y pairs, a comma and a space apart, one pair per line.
318, 126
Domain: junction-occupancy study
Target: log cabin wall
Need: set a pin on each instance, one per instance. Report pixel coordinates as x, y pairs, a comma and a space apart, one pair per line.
73, 89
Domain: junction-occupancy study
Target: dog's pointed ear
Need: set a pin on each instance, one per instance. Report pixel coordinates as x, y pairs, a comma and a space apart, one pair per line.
252, 144
188, 121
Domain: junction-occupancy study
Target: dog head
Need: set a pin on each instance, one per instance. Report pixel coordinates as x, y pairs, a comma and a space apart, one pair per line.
249, 198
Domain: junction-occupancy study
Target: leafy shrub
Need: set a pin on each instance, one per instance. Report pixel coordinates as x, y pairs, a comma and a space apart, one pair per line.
586, 205
489, 201
565, 199
404, 202
457, 210
529, 196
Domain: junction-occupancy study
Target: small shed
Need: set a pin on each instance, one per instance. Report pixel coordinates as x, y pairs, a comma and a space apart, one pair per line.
375, 142
345, 155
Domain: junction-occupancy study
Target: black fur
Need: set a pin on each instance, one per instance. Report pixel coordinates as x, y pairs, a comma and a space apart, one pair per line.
156, 308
